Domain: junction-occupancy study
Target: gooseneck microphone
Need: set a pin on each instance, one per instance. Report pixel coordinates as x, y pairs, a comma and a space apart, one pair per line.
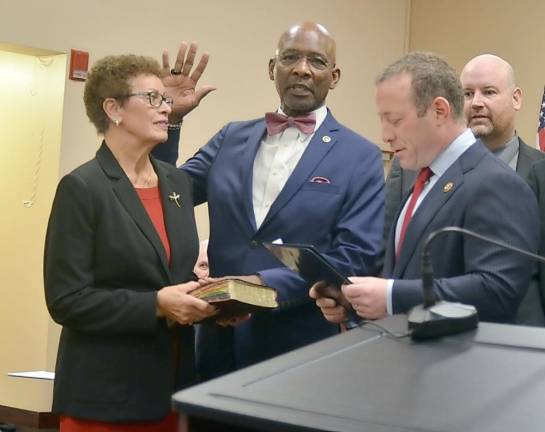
435, 319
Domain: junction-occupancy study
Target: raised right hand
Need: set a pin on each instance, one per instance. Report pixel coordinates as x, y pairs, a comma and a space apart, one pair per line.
181, 85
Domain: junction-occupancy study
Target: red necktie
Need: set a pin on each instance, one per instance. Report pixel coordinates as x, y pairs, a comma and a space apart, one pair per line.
277, 123
423, 176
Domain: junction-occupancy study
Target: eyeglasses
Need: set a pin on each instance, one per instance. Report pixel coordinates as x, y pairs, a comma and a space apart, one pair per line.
155, 98
291, 58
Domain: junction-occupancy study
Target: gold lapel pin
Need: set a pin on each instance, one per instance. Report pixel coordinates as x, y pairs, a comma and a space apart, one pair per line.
448, 187
174, 197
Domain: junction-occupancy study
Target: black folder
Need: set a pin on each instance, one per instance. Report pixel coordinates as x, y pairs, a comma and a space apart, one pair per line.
312, 266
308, 262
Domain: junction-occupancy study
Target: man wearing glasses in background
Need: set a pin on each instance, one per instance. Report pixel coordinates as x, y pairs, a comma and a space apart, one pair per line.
296, 175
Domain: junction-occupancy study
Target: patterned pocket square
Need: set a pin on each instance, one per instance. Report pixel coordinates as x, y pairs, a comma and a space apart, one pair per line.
319, 179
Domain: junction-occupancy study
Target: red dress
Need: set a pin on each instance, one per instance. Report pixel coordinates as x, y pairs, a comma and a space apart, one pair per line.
70, 424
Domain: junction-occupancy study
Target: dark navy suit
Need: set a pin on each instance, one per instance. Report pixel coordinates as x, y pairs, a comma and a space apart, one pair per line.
486, 197
399, 184
343, 218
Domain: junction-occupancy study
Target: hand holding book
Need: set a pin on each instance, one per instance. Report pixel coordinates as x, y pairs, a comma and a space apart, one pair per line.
175, 303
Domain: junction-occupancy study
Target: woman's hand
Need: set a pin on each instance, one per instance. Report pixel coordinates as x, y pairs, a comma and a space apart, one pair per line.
176, 303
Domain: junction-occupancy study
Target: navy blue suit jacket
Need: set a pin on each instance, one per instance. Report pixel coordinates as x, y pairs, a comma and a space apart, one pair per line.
342, 218
486, 197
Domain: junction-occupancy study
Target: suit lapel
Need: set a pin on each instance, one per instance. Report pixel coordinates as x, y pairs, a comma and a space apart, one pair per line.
171, 197
318, 147
524, 162
441, 192
252, 145
444, 188
128, 197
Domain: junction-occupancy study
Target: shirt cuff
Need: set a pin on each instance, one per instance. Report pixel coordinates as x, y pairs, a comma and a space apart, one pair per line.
389, 307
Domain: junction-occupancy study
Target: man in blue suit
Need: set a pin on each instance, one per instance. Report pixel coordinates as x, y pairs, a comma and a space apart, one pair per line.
492, 100
459, 183
297, 175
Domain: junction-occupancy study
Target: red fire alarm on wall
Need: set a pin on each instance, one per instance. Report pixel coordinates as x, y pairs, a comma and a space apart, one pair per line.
79, 63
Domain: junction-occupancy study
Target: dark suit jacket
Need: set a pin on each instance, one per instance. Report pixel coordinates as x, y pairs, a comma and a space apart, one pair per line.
104, 263
489, 198
536, 178
527, 157
399, 184
342, 218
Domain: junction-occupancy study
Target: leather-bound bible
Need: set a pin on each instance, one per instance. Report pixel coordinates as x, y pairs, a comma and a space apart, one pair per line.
235, 297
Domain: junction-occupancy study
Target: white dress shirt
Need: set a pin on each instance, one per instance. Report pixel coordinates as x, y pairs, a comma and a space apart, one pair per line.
439, 166
276, 158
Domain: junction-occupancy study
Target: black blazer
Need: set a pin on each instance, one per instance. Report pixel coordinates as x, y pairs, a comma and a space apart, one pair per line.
104, 263
536, 178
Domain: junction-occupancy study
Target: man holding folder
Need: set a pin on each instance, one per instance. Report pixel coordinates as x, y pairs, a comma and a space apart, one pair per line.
459, 183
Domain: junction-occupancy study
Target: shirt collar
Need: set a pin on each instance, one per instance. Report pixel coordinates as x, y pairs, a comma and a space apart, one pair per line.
509, 150
454, 150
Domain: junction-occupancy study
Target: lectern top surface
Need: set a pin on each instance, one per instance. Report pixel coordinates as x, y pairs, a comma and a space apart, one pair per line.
362, 380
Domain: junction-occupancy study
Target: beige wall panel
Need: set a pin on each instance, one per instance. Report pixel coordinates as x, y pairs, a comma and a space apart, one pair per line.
30, 130
461, 29
240, 36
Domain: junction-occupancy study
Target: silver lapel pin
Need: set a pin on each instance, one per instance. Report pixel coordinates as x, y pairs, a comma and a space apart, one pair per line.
174, 197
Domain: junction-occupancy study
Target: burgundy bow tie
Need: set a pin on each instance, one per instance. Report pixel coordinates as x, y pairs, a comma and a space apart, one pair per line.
277, 123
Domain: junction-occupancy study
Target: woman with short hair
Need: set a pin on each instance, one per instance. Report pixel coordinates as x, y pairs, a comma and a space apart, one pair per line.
120, 248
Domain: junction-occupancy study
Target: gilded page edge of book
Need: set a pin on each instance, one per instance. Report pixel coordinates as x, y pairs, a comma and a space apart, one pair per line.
234, 286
